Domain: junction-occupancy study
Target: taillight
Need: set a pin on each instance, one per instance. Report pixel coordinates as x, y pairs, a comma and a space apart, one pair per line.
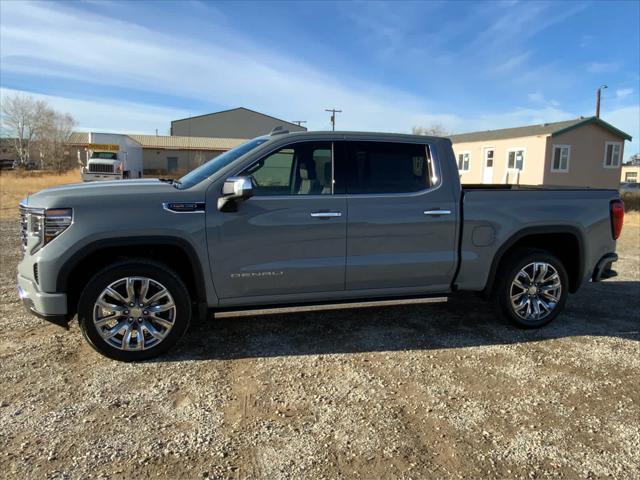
617, 217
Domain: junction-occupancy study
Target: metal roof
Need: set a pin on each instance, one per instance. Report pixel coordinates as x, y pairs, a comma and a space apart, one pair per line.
79, 138
554, 128
186, 143
165, 142
222, 112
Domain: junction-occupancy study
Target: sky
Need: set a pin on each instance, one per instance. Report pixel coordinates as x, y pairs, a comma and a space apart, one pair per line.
135, 66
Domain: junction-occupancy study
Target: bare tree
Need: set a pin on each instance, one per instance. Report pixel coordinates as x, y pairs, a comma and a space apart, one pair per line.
37, 130
21, 120
434, 130
55, 132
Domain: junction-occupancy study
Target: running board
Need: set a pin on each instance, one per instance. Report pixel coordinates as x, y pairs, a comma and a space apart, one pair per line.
331, 306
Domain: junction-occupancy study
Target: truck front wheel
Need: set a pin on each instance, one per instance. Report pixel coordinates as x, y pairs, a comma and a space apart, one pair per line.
134, 310
532, 288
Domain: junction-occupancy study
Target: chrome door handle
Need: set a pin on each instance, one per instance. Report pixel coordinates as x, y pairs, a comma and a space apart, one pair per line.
437, 213
326, 214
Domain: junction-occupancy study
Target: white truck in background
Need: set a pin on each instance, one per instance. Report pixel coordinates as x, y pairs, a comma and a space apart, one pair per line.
112, 156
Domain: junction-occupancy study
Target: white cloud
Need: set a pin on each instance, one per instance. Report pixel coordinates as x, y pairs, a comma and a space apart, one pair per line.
536, 97
109, 116
46, 41
626, 119
624, 92
602, 67
126, 55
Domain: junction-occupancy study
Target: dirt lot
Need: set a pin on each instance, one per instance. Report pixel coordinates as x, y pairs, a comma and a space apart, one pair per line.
407, 392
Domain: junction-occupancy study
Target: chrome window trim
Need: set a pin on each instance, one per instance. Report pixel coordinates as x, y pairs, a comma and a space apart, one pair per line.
431, 156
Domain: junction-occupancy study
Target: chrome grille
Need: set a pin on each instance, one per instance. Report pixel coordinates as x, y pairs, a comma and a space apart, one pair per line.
24, 224
100, 168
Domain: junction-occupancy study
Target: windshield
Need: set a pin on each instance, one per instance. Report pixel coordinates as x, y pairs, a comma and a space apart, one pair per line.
215, 164
104, 155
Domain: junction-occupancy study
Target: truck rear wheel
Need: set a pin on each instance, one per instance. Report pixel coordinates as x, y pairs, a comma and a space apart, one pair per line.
134, 310
532, 288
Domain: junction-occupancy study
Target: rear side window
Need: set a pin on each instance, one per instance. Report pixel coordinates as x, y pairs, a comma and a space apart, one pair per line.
379, 167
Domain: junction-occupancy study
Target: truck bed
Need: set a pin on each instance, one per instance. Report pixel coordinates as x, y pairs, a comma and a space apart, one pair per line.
495, 217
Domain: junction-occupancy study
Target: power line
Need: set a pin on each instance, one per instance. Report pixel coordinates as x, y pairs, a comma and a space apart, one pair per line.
333, 116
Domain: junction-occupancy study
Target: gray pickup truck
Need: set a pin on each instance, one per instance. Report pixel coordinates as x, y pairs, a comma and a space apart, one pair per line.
305, 219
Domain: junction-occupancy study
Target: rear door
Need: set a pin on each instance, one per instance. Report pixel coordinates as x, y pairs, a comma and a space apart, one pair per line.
289, 238
401, 224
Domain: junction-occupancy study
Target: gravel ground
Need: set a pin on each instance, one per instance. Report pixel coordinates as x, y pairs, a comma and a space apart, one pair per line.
404, 392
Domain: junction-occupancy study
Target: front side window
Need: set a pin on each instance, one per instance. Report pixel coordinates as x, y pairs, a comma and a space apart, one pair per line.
560, 162
304, 168
515, 159
612, 154
217, 163
463, 161
379, 167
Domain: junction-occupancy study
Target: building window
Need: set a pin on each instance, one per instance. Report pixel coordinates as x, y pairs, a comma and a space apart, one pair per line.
612, 154
515, 159
560, 161
463, 161
631, 177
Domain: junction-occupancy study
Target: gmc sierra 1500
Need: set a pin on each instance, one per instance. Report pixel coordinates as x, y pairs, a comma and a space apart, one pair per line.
304, 218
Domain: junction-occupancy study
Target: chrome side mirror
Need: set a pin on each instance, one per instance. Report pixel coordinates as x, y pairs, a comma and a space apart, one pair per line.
234, 189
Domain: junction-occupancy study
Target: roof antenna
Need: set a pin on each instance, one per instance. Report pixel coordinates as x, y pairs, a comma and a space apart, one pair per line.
279, 130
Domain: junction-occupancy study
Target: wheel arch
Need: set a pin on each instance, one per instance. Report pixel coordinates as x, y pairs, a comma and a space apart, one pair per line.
572, 252
174, 252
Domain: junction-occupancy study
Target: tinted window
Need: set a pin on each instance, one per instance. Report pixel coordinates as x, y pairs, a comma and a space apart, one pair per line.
378, 167
299, 169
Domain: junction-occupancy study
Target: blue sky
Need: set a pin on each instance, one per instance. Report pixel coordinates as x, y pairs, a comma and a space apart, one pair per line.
135, 66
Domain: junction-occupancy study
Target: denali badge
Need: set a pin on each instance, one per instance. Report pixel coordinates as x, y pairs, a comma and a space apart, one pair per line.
256, 274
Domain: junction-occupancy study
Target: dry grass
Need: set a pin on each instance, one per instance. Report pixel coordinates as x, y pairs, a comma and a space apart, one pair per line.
14, 186
631, 201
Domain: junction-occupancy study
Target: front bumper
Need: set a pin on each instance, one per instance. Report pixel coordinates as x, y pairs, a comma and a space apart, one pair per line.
603, 268
48, 306
95, 177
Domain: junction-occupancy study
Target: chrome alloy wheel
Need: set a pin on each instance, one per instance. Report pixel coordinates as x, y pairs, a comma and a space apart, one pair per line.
535, 291
134, 313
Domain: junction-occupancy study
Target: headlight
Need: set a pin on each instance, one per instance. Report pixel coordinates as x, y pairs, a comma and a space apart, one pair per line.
43, 224
56, 221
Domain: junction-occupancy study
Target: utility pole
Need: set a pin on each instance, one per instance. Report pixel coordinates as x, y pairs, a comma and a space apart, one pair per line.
298, 122
601, 87
333, 117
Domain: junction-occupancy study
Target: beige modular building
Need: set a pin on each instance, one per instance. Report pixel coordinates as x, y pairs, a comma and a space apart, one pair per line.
580, 152
630, 173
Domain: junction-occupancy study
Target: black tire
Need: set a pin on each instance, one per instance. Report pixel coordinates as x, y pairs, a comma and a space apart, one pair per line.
515, 263
156, 272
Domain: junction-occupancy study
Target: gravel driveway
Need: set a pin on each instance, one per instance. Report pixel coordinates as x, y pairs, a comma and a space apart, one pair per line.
403, 392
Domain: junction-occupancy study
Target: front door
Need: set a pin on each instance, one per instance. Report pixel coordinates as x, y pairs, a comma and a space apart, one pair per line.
289, 238
402, 222
487, 172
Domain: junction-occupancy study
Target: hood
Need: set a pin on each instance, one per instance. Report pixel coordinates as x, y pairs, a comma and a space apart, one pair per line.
78, 193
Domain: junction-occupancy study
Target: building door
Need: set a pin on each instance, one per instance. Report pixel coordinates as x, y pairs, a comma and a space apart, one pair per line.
172, 164
487, 171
